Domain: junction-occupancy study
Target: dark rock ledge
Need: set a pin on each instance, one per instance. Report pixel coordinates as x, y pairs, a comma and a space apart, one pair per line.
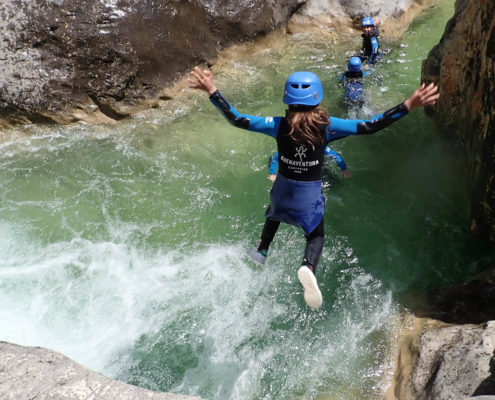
65, 60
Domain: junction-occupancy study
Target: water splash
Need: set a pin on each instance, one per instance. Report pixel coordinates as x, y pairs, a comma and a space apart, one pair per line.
124, 247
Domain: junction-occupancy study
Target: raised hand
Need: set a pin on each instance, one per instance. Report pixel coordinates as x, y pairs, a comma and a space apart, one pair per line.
202, 79
424, 96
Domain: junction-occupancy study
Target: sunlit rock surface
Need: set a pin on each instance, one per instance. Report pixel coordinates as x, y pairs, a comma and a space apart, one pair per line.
101, 60
446, 362
463, 64
37, 373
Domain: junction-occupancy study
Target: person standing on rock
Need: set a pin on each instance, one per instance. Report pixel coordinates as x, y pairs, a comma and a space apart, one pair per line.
296, 196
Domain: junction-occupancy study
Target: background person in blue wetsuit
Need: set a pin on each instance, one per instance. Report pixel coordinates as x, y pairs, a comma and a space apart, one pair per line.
353, 81
370, 50
332, 154
296, 196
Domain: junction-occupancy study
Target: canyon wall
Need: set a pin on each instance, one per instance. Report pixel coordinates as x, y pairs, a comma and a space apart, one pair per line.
463, 64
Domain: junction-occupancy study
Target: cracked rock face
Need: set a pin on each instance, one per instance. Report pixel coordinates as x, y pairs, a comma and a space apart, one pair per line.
64, 60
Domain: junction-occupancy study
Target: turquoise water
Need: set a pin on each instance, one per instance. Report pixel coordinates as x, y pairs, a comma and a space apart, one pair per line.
123, 245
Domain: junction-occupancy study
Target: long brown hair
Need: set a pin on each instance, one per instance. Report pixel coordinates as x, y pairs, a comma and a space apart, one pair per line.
306, 123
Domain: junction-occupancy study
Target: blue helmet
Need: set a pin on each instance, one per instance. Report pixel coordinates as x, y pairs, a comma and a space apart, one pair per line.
367, 21
303, 88
354, 64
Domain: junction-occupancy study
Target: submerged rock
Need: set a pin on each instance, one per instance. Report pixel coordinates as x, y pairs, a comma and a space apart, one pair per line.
465, 303
37, 373
463, 64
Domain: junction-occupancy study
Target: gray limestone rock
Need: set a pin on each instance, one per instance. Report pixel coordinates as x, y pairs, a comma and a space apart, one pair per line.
41, 374
446, 362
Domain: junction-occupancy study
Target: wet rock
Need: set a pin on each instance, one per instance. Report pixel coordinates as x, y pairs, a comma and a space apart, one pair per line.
37, 373
59, 57
463, 64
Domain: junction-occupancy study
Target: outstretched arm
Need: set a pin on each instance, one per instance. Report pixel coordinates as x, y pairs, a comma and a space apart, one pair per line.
424, 96
339, 160
203, 80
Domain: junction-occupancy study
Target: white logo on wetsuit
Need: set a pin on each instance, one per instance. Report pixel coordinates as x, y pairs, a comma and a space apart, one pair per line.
299, 166
300, 152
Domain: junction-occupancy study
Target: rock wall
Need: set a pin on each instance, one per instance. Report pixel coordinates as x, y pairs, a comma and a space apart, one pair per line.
463, 64
101, 60
37, 373
439, 361
450, 354
450, 351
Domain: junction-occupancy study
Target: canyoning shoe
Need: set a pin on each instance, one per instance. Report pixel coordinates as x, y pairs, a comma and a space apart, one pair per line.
312, 294
257, 255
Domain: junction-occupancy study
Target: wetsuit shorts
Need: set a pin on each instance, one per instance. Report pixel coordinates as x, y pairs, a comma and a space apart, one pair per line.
298, 203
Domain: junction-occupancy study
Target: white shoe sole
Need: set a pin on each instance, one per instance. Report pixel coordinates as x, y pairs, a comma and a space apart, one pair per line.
312, 294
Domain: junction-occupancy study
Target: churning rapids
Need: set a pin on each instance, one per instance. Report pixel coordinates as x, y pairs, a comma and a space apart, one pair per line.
123, 245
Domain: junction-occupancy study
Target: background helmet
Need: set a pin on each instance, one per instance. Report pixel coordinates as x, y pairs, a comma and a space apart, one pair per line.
354, 64
367, 21
303, 88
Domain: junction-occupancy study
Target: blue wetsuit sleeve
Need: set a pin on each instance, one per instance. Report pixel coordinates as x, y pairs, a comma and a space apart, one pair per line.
366, 72
266, 125
273, 164
336, 157
340, 128
341, 77
374, 50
